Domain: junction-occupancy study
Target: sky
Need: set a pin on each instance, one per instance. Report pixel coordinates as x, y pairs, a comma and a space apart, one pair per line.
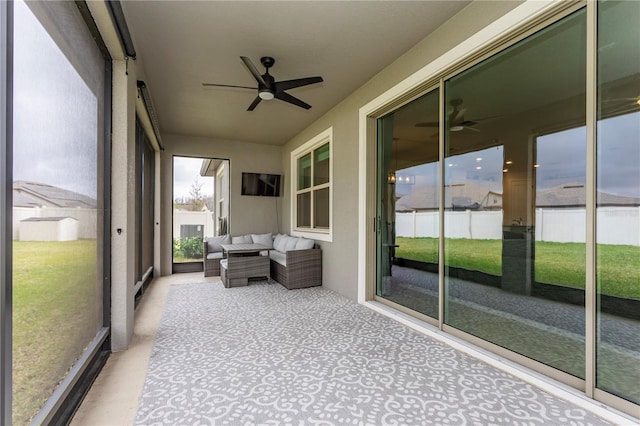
55, 118
55, 113
561, 157
186, 171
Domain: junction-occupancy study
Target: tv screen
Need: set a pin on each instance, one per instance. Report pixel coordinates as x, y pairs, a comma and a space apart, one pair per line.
261, 184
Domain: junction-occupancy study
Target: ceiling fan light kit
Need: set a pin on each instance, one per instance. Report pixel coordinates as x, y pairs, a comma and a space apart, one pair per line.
268, 88
266, 95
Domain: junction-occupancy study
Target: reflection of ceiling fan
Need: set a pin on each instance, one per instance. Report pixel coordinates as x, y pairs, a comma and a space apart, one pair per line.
616, 106
268, 88
456, 120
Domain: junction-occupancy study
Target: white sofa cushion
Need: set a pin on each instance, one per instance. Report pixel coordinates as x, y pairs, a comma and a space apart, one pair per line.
278, 256
216, 255
304, 243
215, 243
290, 243
278, 242
241, 239
264, 239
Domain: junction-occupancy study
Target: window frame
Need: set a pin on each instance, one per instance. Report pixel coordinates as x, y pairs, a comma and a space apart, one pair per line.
316, 233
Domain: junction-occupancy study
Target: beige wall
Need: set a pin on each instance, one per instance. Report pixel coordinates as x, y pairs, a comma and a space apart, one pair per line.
247, 214
340, 257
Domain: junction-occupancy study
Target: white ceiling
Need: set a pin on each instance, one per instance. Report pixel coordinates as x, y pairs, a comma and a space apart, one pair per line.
181, 44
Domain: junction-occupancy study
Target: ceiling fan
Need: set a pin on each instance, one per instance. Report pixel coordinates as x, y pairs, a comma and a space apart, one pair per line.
456, 119
268, 88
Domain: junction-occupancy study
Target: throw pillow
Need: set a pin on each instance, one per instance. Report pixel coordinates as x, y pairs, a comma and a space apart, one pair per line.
304, 244
278, 242
241, 239
264, 239
215, 243
290, 243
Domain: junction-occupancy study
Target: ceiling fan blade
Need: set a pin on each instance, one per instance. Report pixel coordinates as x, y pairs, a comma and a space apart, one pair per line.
290, 84
283, 96
457, 116
254, 104
229, 85
621, 99
490, 117
253, 70
428, 124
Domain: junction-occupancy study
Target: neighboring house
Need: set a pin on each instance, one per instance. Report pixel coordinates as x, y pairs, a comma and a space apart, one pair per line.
471, 196
574, 195
458, 196
33, 201
34, 194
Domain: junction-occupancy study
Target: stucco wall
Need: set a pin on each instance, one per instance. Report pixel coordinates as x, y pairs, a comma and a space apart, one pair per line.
247, 214
340, 257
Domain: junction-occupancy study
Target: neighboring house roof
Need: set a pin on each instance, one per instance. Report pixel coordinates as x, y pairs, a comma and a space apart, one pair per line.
457, 196
210, 204
47, 219
574, 195
471, 196
33, 194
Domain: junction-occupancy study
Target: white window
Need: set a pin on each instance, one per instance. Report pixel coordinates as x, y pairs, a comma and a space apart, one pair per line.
311, 188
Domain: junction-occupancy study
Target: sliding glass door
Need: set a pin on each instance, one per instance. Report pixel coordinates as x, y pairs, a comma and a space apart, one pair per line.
517, 131
532, 209
618, 200
408, 204
145, 200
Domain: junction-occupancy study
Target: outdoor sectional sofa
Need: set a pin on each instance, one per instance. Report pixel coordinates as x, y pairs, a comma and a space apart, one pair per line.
295, 262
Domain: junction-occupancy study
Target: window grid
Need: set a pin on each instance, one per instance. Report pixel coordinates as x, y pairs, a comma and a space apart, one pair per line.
312, 188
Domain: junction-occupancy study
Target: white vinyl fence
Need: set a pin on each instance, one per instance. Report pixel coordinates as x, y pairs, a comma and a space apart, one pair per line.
87, 220
615, 225
190, 219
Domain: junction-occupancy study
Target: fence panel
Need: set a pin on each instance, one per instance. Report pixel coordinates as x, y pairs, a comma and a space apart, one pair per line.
189, 218
615, 225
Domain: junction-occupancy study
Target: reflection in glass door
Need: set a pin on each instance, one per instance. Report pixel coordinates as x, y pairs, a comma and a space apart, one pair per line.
618, 200
408, 206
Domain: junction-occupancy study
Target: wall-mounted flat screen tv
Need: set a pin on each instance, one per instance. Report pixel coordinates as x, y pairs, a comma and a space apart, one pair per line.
261, 184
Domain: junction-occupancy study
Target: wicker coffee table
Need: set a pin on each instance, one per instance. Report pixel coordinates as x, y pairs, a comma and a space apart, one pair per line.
243, 262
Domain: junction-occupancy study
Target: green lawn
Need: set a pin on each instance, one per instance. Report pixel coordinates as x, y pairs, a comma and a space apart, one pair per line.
54, 316
556, 263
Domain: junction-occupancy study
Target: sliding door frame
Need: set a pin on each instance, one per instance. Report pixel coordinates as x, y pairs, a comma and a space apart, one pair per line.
6, 191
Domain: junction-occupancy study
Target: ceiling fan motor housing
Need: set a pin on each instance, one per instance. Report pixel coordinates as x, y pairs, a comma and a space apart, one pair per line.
266, 91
